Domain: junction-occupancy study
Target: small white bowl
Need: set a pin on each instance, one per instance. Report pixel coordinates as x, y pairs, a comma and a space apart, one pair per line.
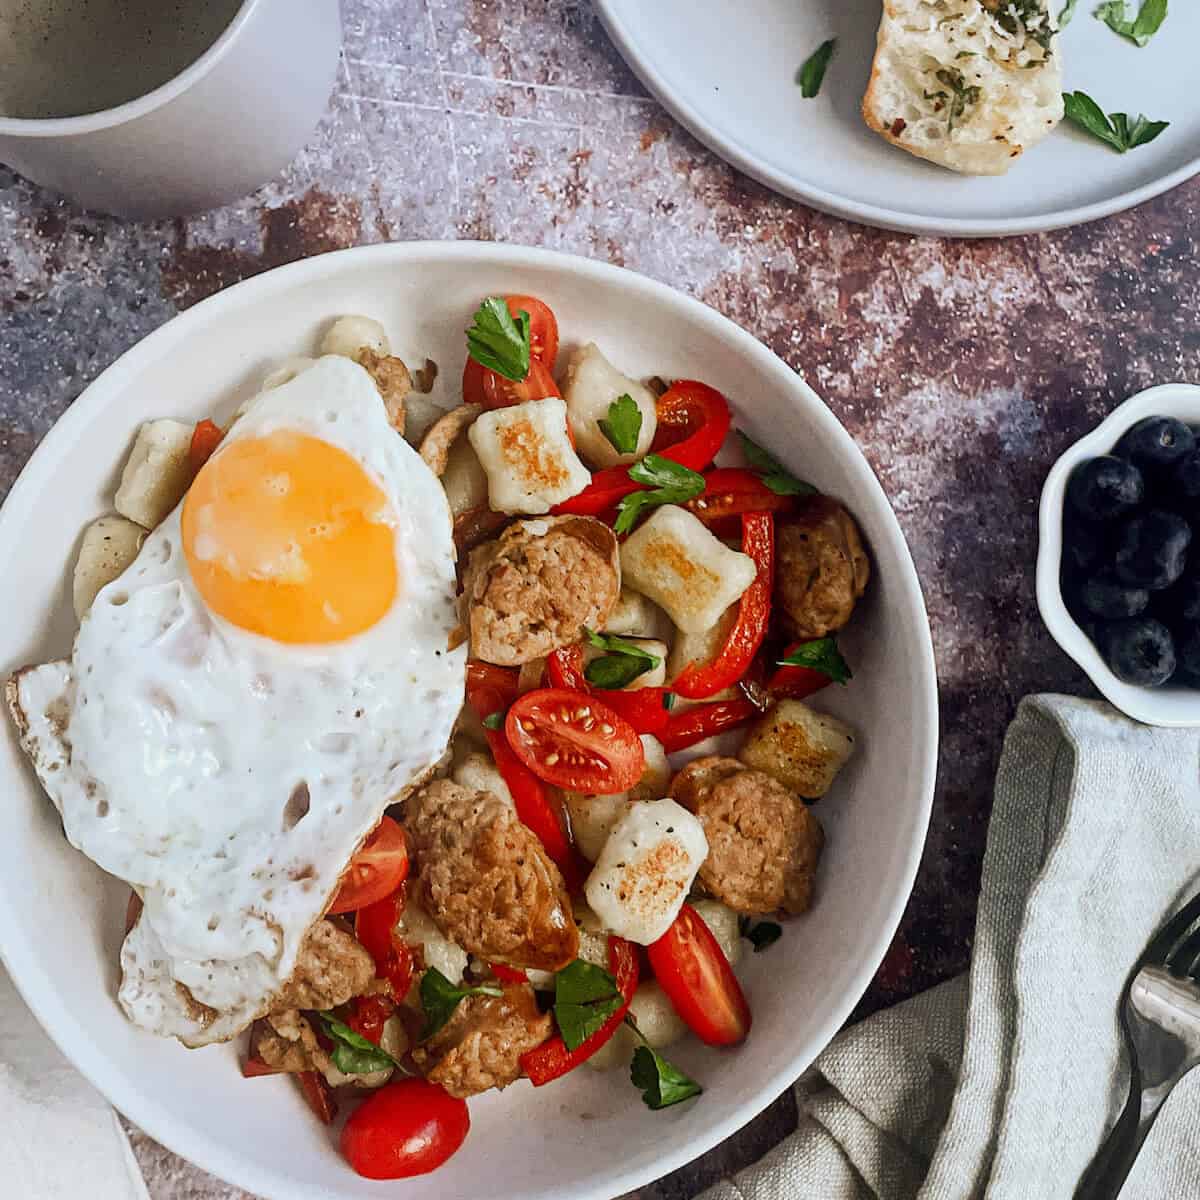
1174, 707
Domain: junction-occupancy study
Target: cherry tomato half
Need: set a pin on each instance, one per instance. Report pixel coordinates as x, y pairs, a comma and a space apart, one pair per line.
692, 969
575, 742
376, 871
543, 327
405, 1128
482, 386
206, 437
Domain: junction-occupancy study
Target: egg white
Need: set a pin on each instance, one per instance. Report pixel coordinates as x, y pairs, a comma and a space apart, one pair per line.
187, 736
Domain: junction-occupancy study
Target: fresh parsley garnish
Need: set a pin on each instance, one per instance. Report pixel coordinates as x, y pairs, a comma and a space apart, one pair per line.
1116, 129
1068, 11
354, 1054
585, 996
763, 934
623, 661
671, 484
439, 998
820, 655
499, 341
1140, 29
812, 72
494, 721
623, 426
774, 474
669, 699
661, 1083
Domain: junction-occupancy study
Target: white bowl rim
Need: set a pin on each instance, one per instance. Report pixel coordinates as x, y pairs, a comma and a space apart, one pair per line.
18, 947
1141, 703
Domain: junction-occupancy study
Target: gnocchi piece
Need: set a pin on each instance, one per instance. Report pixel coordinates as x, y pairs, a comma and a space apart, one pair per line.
647, 866
283, 372
594, 817
636, 615
350, 334
109, 545
722, 922
676, 561
657, 1021
417, 928
654, 677
590, 386
700, 647
528, 457
157, 472
802, 748
479, 773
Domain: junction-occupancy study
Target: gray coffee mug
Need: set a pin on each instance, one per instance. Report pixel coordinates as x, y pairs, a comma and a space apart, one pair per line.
226, 124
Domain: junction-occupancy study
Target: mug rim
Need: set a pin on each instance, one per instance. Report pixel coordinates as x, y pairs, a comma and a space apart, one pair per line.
139, 106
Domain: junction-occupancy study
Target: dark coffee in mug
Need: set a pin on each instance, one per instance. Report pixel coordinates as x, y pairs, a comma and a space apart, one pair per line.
66, 58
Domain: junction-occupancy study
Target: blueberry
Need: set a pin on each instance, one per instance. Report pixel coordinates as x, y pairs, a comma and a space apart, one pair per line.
1140, 651
1184, 483
1102, 489
1085, 545
1189, 657
1151, 549
1180, 603
1156, 443
1104, 595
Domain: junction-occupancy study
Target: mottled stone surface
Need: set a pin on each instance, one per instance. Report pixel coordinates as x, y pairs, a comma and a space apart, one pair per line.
963, 369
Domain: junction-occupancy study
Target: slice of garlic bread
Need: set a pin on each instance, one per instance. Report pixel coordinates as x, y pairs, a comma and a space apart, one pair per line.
967, 84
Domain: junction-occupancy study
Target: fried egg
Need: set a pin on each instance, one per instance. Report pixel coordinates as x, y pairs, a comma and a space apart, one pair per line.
245, 700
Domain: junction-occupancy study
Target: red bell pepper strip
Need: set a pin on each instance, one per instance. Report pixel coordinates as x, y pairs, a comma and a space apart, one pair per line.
794, 683
644, 708
731, 491
552, 1059
705, 721
369, 1014
491, 689
319, 1095
700, 680
254, 1068
508, 974
206, 437
693, 423
375, 928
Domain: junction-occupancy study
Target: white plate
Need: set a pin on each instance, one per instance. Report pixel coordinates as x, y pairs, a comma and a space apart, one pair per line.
728, 74
588, 1137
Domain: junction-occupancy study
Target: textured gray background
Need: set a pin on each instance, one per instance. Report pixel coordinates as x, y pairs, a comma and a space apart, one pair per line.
962, 368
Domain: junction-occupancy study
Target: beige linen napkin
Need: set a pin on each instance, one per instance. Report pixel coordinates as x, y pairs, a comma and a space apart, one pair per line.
59, 1139
1004, 1085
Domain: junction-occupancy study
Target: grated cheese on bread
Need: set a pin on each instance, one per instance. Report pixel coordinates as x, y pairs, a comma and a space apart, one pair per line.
967, 84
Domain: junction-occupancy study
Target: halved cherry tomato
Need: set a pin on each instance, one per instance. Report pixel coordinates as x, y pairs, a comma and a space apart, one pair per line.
643, 708
731, 491
376, 871
705, 721
701, 680
575, 742
508, 974
693, 423
369, 1014
692, 969
405, 1128
552, 1059
483, 386
319, 1095
375, 927
206, 437
794, 683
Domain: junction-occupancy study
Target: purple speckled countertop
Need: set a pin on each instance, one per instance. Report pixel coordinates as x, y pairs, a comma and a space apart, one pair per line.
962, 368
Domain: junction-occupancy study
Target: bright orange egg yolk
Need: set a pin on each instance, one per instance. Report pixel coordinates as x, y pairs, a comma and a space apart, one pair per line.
287, 536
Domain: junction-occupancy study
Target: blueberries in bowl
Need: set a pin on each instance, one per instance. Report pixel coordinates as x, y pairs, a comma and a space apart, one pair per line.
1130, 563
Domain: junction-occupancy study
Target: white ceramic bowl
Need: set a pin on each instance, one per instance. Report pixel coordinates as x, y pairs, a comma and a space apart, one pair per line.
1176, 707
589, 1137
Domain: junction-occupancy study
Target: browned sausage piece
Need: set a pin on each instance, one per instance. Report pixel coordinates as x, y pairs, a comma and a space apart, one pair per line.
763, 842
287, 1042
532, 589
481, 1045
486, 879
822, 569
331, 969
393, 381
